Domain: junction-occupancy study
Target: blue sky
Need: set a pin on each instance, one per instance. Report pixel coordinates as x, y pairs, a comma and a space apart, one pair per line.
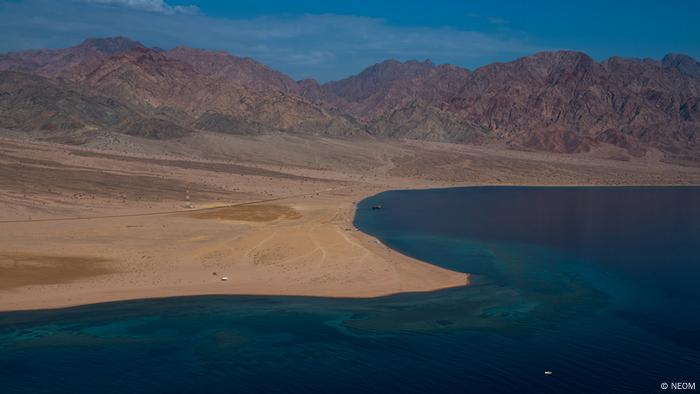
329, 39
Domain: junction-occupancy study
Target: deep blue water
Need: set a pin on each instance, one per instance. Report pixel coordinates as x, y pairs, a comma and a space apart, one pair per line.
599, 285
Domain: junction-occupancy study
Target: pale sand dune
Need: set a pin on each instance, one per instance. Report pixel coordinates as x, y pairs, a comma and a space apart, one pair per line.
135, 238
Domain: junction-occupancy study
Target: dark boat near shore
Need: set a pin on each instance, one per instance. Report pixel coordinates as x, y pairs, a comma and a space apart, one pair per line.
376, 207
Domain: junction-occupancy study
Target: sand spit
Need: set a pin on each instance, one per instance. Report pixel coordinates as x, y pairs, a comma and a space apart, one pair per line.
272, 214
301, 248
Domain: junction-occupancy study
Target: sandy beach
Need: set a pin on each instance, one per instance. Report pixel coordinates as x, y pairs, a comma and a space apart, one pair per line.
295, 247
88, 225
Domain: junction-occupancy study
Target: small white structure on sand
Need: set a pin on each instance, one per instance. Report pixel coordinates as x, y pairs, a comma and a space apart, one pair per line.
188, 204
224, 278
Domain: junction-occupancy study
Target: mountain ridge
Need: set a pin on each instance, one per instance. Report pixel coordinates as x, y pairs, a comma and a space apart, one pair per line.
561, 101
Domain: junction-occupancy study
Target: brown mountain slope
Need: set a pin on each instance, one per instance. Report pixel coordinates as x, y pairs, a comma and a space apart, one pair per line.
159, 84
553, 101
192, 88
565, 101
390, 85
29, 102
33, 103
682, 63
245, 71
422, 121
53, 62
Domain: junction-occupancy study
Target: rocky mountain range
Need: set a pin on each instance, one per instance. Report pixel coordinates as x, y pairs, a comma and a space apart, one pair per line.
553, 101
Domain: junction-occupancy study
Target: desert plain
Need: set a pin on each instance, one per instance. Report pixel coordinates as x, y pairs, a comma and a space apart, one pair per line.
121, 217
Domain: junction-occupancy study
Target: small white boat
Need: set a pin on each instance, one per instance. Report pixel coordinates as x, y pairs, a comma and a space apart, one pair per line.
548, 372
224, 278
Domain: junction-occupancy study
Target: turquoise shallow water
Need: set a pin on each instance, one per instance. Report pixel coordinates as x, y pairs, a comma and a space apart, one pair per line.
598, 285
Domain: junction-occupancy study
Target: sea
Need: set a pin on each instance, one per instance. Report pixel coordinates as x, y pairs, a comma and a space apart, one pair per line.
572, 290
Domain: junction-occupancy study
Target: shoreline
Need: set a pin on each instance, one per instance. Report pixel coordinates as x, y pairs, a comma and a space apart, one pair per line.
410, 275
101, 296
441, 278
86, 225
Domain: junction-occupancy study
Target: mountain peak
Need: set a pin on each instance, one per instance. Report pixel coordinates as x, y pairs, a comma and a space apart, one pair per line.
110, 45
393, 69
683, 63
564, 56
562, 101
186, 49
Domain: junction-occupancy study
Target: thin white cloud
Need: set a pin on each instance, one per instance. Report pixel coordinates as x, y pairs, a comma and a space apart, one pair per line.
312, 58
321, 46
158, 6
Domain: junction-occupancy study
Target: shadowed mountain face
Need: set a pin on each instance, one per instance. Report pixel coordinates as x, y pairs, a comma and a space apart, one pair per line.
35, 103
554, 101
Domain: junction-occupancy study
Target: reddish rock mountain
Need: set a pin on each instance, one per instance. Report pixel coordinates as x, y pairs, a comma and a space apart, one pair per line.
53, 62
553, 101
682, 63
32, 103
402, 100
391, 85
163, 85
244, 71
567, 102
168, 91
